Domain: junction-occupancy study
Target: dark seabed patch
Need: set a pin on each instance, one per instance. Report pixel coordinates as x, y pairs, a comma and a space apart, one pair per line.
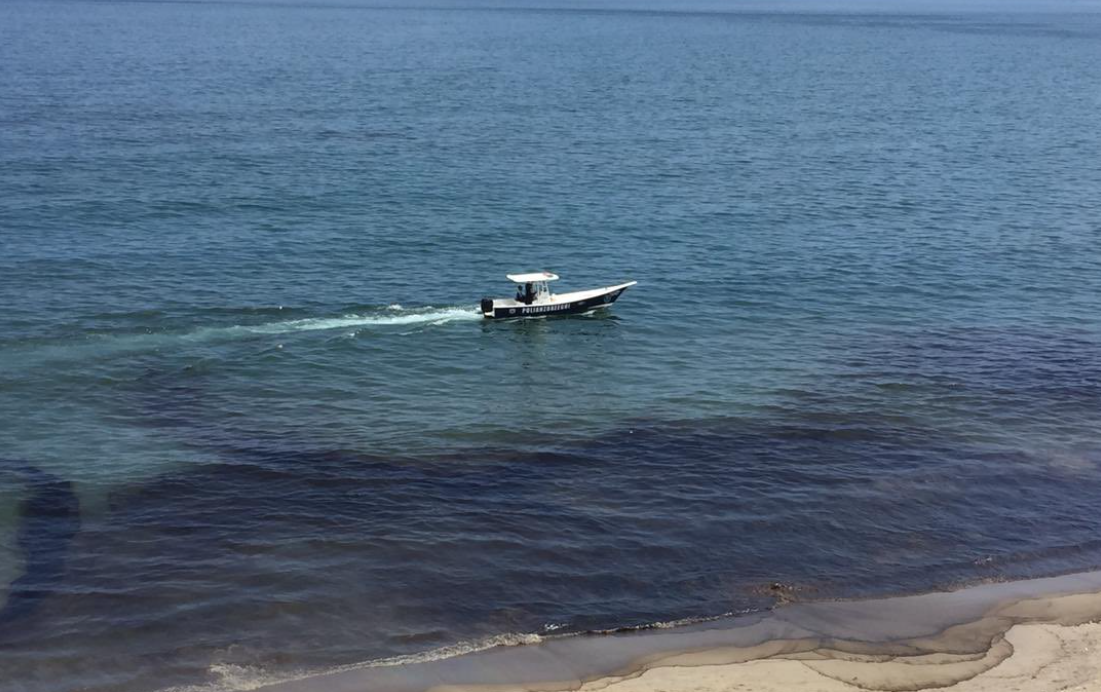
307, 559
49, 519
279, 554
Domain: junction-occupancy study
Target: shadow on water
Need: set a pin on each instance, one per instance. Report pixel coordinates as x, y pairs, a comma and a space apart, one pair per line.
49, 521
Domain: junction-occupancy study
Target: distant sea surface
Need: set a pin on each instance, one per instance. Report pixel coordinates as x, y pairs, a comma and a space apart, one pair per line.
251, 425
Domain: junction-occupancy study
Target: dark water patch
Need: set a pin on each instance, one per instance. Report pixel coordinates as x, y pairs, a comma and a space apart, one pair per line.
323, 558
1030, 380
49, 519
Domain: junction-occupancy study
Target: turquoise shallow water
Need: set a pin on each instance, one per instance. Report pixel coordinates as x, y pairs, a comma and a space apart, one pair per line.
251, 418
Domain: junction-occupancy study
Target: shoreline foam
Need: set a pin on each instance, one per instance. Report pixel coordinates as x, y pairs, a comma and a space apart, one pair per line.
1019, 629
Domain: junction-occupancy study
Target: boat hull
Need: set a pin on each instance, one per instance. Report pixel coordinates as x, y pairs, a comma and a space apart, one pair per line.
512, 310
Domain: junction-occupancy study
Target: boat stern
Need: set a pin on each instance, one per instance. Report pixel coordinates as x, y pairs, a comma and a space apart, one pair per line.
487, 307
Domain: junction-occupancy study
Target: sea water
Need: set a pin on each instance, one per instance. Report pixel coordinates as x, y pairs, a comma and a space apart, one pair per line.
251, 424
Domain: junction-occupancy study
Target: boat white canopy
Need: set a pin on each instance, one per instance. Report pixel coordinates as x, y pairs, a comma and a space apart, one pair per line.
532, 277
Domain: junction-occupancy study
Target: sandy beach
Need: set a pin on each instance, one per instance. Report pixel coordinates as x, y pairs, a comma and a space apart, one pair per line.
1034, 635
1034, 644
1029, 658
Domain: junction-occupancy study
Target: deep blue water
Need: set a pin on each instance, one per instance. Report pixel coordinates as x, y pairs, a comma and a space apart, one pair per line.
251, 425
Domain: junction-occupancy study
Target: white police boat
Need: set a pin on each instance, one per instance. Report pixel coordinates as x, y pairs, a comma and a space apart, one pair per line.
534, 298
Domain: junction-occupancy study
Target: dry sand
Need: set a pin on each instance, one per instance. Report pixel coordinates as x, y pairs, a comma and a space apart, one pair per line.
1033, 658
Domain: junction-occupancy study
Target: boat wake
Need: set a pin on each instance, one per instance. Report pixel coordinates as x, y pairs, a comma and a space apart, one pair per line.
395, 315
99, 345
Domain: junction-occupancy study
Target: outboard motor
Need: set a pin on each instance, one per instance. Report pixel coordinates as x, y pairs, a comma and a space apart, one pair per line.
487, 306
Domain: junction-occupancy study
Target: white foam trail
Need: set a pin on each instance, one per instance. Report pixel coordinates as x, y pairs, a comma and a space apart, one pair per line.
432, 316
108, 345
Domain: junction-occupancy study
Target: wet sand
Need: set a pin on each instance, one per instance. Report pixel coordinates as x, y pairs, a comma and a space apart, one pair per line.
1029, 658
1036, 635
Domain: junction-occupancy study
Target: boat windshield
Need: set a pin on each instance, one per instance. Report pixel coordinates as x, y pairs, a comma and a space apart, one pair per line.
530, 291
